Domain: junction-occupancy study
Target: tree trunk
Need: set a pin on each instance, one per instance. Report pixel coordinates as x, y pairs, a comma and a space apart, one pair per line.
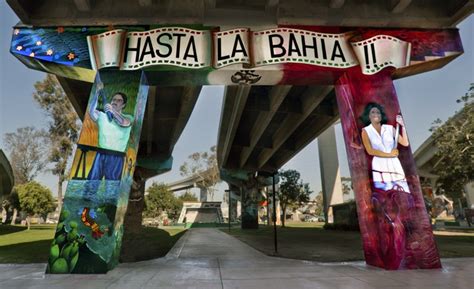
133, 219
283, 208
60, 194
4, 215
15, 212
28, 222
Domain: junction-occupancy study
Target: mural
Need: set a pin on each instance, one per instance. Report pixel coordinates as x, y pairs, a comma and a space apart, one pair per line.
395, 227
360, 62
88, 236
250, 208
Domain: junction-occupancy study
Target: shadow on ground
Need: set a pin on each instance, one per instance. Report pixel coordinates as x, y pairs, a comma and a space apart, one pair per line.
149, 243
18, 245
317, 244
7, 229
29, 252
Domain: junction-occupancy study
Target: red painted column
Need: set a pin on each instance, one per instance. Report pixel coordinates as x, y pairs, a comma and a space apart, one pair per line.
395, 227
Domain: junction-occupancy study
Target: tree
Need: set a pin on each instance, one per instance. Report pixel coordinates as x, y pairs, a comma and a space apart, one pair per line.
455, 142
188, 197
318, 200
293, 192
10, 203
63, 126
346, 185
159, 200
204, 165
27, 153
35, 199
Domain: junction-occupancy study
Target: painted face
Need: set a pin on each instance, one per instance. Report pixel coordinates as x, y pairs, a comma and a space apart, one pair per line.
117, 102
375, 116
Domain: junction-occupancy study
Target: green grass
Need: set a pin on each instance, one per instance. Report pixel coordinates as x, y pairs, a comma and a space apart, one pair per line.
309, 241
305, 224
18, 245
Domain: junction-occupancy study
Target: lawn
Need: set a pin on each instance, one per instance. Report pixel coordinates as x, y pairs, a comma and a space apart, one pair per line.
18, 245
309, 241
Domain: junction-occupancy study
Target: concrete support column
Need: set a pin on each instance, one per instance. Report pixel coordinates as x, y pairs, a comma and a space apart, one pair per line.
330, 174
91, 226
133, 218
234, 199
203, 194
249, 207
395, 227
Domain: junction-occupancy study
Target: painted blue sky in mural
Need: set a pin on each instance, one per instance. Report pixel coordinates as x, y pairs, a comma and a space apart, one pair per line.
423, 98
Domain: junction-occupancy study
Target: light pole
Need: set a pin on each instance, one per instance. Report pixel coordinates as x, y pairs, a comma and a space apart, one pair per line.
274, 215
229, 213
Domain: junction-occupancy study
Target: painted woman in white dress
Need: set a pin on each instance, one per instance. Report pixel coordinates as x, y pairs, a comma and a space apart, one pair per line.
389, 183
379, 140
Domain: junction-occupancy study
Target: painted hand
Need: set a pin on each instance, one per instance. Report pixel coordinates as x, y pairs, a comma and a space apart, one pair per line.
394, 153
400, 121
109, 110
108, 107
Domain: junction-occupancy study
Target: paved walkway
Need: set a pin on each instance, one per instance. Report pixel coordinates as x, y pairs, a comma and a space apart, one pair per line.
209, 258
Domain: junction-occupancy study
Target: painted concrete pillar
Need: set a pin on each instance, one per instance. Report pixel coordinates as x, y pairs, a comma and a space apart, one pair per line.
249, 207
395, 227
330, 174
88, 238
133, 218
233, 203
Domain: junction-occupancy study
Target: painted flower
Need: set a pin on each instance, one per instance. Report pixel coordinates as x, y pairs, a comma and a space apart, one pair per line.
93, 214
49, 52
32, 54
71, 56
19, 48
39, 42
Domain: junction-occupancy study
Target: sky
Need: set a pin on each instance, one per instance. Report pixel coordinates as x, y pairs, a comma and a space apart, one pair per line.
423, 98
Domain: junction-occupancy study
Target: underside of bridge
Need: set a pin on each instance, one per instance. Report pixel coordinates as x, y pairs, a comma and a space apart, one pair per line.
262, 127
356, 13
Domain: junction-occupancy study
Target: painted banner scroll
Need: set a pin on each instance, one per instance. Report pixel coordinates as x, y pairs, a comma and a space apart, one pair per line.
178, 46
88, 236
205, 55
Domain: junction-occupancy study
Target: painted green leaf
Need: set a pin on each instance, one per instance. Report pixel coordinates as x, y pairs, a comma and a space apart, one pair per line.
64, 215
66, 251
60, 239
54, 252
73, 224
59, 227
72, 235
74, 249
60, 266
73, 261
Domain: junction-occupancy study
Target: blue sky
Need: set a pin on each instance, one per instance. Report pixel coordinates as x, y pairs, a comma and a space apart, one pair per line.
423, 98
